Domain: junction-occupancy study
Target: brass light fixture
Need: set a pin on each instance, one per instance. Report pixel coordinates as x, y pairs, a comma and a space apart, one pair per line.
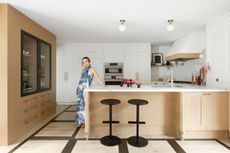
170, 26
122, 26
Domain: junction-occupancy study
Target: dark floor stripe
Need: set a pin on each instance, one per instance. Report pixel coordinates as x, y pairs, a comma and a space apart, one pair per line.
176, 146
223, 144
49, 138
62, 112
63, 121
123, 147
71, 143
70, 111
20, 144
76, 131
69, 146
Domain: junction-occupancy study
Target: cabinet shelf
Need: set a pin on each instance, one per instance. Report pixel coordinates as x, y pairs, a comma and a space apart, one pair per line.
27, 55
27, 75
153, 65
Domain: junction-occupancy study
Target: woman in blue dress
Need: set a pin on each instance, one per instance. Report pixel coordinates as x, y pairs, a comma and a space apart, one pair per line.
87, 75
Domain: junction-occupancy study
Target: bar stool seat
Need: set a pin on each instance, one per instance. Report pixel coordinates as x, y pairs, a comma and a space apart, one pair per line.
137, 141
110, 140
138, 102
110, 101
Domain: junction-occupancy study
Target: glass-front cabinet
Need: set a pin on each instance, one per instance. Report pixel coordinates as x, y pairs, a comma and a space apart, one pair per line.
35, 64
44, 66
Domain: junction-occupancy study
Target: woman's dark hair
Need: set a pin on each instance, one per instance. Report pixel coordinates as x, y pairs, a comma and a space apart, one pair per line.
86, 58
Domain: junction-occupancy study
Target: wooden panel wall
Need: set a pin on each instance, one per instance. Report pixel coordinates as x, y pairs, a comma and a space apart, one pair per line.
3, 74
15, 22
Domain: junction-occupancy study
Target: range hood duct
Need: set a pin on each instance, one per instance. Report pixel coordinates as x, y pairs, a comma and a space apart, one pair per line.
187, 48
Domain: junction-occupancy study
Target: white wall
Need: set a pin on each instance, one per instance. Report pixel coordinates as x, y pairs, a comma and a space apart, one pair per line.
184, 73
135, 56
159, 72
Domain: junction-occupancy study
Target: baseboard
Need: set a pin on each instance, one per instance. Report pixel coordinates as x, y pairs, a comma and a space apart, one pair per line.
66, 103
205, 134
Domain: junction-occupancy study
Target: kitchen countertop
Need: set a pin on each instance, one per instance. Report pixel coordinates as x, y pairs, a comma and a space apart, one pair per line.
152, 88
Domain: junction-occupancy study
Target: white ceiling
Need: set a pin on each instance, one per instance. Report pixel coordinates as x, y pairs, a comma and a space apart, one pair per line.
96, 21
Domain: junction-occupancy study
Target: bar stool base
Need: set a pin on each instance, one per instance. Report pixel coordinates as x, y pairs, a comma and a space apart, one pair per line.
110, 140
141, 141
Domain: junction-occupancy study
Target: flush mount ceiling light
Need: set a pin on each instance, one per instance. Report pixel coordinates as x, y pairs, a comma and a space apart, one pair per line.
122, 26
170, 26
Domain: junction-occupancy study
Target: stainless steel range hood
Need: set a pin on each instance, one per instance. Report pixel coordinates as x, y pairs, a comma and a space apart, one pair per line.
187, 48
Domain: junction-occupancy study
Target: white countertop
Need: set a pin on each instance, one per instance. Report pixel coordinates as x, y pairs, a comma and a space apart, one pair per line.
151, 88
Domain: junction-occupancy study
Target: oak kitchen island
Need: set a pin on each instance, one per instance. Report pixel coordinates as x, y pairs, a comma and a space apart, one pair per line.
181, 111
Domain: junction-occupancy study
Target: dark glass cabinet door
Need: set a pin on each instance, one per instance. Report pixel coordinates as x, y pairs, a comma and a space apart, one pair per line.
35, 64
44, 66
29, 64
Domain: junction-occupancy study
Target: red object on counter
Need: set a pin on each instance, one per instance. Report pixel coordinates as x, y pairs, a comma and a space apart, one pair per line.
130, 82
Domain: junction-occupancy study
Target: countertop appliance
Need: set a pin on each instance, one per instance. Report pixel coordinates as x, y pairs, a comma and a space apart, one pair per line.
113, 73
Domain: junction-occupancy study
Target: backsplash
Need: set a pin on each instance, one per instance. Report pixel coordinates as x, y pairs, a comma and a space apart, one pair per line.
181, 72
184, 72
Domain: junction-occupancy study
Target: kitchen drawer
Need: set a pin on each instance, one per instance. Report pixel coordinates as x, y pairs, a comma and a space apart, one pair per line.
45, 103
45, 95
46, 111
30, 120
28, 109
30, 100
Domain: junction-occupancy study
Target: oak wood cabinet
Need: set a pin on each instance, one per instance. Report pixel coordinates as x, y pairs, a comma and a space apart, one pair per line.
19, 115
206, 111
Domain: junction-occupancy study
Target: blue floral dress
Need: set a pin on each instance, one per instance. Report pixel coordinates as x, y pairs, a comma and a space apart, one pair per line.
85, 81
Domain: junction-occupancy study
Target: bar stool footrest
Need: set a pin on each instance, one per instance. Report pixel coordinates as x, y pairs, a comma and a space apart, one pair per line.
135, 122
107, 122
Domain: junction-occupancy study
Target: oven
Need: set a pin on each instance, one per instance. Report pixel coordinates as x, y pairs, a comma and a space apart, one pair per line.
113, 73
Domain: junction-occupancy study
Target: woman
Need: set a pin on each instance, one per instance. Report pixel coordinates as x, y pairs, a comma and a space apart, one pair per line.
87, 75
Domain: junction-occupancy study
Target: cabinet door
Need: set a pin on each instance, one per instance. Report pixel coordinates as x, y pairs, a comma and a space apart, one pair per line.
217, 111
138, 63
28, 64
113, 54
44, 66
218, 45
67, 70
194, 111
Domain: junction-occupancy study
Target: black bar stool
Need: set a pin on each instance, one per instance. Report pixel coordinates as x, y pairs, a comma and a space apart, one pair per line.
110, 140
137, 141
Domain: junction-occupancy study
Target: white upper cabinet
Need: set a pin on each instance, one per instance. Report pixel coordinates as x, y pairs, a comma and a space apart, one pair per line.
114, 53
218, 50
137, 63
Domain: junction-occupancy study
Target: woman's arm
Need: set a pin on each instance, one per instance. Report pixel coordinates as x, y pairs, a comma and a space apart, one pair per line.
94, 73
